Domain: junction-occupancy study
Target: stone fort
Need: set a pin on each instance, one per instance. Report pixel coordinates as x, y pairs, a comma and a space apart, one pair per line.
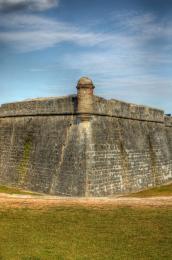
84, 145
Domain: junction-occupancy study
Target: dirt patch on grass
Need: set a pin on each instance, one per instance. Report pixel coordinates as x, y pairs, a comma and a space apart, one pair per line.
28, 201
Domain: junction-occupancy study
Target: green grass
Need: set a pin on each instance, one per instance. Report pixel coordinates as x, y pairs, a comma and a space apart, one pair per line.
12, 190
165, 190
82, 233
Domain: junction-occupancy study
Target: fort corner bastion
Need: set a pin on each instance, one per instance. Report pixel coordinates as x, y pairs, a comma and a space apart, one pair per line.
84, 145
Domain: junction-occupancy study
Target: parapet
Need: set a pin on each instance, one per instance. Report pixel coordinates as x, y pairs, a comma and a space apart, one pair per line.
84, 105
126, 110
40, 106
168, 120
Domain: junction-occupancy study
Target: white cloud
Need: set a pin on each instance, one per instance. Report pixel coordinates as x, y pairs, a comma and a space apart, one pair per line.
135, 31
123, 61
34, 5
32, 32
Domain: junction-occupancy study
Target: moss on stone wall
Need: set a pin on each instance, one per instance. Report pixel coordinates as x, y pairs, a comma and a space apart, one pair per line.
24, 163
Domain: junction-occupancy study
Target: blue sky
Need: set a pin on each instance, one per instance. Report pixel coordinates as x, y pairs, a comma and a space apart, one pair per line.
124, 46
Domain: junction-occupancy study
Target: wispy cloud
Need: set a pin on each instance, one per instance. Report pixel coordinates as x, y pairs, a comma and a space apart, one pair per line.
129, 60
33, 5
135, 64
127, 30
32, 32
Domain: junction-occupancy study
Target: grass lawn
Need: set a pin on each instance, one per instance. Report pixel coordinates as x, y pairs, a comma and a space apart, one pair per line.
165, 190
11, 190
76, 232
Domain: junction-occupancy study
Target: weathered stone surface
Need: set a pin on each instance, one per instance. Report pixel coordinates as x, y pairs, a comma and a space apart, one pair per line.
45, 154
84, 145
41, 106
84, 81
85, 98
127, 155
122, 109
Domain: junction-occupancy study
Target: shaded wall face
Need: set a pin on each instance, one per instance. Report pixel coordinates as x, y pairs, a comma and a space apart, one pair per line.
42, 153
126, 155
168, 133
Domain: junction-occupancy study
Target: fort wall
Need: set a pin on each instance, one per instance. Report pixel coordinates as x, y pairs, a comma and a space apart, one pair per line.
126, 155
55, 146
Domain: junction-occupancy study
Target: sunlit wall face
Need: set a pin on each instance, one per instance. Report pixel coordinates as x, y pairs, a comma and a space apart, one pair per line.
124, 46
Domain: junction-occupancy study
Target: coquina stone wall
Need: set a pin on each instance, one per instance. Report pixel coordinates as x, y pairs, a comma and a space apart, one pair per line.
84, 145
42, 148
